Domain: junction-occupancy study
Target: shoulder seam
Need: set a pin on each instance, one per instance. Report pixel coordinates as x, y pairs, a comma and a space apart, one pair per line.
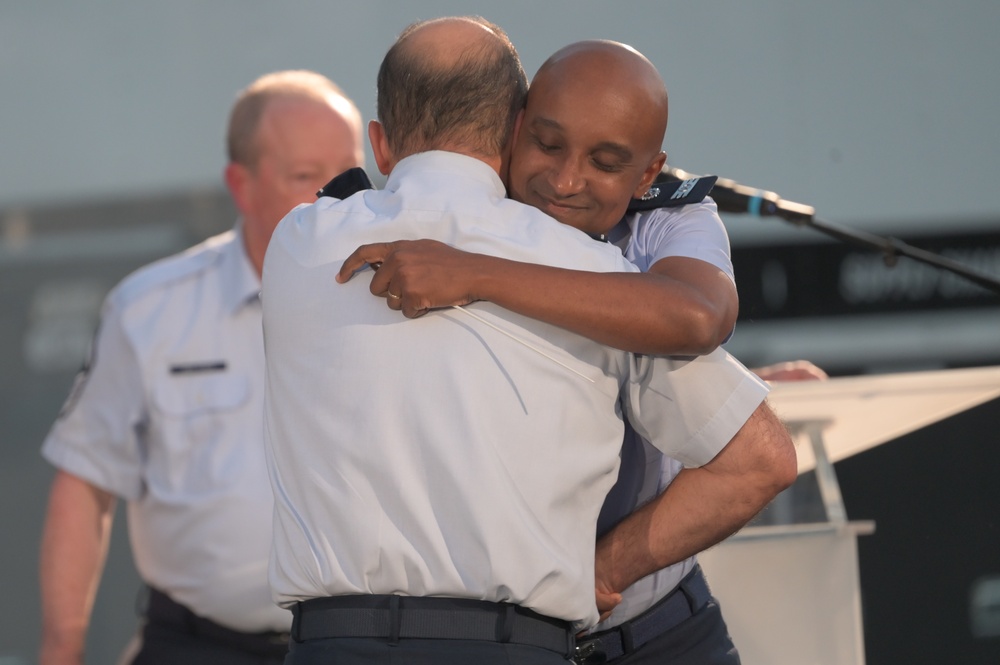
169, 270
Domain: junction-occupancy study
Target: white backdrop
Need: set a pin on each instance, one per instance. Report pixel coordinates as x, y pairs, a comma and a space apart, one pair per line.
871, 112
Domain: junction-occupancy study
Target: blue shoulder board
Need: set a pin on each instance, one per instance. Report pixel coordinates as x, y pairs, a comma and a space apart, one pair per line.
674, 193
347, 183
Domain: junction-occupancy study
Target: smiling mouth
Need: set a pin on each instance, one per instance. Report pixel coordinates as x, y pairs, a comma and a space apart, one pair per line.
557, 205
561, 213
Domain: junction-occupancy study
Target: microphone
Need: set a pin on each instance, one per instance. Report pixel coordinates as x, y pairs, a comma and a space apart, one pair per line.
731, 196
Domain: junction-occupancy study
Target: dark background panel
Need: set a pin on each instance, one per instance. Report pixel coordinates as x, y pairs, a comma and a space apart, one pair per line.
935, 498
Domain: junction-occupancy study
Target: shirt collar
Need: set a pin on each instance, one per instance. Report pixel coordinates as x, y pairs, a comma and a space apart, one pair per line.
239, 281
468, 171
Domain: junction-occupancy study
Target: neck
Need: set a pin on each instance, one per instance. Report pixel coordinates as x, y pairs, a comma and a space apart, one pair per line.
255, 250
495, 162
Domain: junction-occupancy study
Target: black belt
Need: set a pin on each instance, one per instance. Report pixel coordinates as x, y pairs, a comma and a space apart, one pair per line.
682, 603
401, 617
164, 611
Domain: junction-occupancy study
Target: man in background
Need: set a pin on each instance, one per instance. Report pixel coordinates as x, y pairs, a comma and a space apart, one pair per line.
168, 414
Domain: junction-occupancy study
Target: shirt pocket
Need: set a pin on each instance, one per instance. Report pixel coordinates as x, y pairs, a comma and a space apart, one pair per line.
199, 435
191, 396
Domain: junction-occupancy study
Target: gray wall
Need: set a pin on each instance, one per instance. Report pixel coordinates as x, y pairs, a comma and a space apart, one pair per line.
882, 115
868, 111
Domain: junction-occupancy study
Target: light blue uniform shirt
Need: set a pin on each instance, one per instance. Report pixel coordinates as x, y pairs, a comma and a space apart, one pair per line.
691, 231
169, 417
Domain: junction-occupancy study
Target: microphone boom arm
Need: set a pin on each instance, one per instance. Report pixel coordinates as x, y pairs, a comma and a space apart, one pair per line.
734, 197
892, 248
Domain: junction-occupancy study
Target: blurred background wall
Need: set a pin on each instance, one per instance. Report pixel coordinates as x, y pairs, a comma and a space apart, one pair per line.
112, 114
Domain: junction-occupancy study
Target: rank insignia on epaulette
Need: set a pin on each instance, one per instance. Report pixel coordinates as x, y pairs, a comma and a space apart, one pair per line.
675, 193
347, 183
685, 188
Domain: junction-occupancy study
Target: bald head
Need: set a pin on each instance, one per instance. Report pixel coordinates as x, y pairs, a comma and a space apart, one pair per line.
443, 42
450, 84
289, 133
284, 87
620, 76
592, 134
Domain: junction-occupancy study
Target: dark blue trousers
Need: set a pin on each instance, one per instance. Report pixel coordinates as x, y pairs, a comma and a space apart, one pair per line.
173, 635
702, 639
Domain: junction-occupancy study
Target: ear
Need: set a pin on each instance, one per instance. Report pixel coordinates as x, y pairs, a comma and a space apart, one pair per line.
508, 150
380, 147
649, 175
517, 127
237, 179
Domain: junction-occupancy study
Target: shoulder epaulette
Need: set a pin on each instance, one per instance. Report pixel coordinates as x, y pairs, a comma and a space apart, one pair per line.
347, 183
674, 193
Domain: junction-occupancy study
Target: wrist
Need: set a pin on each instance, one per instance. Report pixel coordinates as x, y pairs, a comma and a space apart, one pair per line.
485, 275
64, 639
626, 553
612, 564
60, 652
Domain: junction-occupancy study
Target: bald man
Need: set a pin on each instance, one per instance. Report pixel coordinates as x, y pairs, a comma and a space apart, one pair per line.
438, 481
169, 414
588, 147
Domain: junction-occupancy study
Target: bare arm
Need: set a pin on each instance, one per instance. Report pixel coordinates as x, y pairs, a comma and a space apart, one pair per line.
792, 370
700, 508
681, 306
74, 547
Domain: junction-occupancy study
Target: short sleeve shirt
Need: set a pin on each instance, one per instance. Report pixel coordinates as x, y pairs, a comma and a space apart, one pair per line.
168, 417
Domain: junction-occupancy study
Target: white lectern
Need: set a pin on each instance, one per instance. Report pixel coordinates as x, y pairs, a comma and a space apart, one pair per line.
791, 593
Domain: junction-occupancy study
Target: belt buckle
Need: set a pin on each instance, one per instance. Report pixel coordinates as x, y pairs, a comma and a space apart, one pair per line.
589, 653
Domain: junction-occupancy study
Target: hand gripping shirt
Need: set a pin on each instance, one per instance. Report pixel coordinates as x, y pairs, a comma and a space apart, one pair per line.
169, 417
465, 453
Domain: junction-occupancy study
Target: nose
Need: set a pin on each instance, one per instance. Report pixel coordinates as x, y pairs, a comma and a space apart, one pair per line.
566, 178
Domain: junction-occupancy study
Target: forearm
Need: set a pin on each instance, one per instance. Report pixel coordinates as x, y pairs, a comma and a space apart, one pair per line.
74, 546
667, 531
682, 306
639, 312
702, 506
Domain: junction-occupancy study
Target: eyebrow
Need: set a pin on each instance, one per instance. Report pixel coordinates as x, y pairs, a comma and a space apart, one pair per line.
617, 149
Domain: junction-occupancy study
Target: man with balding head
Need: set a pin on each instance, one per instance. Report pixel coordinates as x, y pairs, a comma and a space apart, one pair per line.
587, 152
437, 482
169, 414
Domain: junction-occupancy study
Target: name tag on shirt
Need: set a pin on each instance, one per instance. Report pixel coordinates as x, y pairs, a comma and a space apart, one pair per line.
194, 368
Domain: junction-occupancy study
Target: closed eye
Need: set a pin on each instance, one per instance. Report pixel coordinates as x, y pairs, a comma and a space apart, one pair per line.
607, 168
543, 146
